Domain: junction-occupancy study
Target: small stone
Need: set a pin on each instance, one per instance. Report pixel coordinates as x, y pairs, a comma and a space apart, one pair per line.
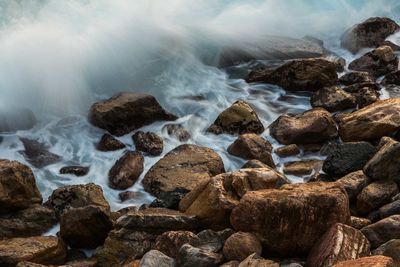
305, 167
155, 258
191, 256
75, 170
373, 261
240, 245
109, 143
255, 260
354, 183
375, 195
170, 242
359, 223
390, 249
126, 170
178, 131
288, 150
148, 142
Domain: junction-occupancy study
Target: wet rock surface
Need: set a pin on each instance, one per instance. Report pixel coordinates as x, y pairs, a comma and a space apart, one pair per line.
126, 170
75, 170
109, 143
148, 142
37, 153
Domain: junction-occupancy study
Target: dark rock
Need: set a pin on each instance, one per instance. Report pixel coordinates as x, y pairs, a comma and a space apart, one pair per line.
390, 209
359, 223
169, 200
109, 143
383, 231
170, 242
127, 195
148, 142
356, 77
240, 245
17, 119
366, 96
37, 154
212, 240
75, 170
155, 258
392, 78
304, 167
356, 88
255, 260
288, 150
126, 170
178, 131
375, 195
191, 256
333, 98
354, 183
373, 261
390, 249
394, 46
254, 164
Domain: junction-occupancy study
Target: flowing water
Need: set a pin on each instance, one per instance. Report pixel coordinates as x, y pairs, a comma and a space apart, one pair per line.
58, 57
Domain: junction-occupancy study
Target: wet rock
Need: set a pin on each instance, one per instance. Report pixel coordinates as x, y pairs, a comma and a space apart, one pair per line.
37, 154
339, 243
390, 209
333, 98
392, 45
239, 118
383, 231
254, 164
359, 223
39, 249
126, 112
85, 227
375, 195
169, 200
170, 242
192, 256
184, 167
230, 264
354, 183
288, 150
392, 78
240, 245
75, 170
148, 142
17, 186
212, 240
32, 221
370, 33
76, 196
127, 195
379, 61
109, 143
126, 171
366, 96
299, 207
155, 258
17, 119
213, 201
313, 126
304, 167
345, 158
356, 77
390, 249
178, 131
371, 122
255, 260
372, 261
252, 146
355, 88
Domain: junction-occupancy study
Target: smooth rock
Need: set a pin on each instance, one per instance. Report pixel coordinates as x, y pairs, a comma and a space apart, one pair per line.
303, 167
126, 170
148, 142
240, 245
354, 183
390, 249
375, 195
333, 99
191, 256
288, 150
37, 153
109, 143
383, 231
390, 209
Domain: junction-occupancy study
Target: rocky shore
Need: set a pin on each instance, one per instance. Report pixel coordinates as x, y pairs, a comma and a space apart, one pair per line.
345, 213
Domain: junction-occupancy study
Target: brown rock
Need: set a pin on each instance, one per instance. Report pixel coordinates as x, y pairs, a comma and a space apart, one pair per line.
155, 258
148, 142
126, 170
359, 223
392, 78
304, 167
126, 112
255, 260
313, 126
170, 242
109, 143
230, 264
356, 77
254, 164
193, 256
333, 98
288, 220
184, 167
178, 131
382, 231
240, 245
394, 47
288, 150
38, 154
375, 195
372, 261
354, 183
366, 96
390, 249
75, 170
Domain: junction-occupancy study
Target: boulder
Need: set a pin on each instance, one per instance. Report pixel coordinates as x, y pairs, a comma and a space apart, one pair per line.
379, 61
383, 231
240, 245
339, 243
155, 258
170, 242
287, 151
17, 186
390, 249
354, 183
38, 154
126, 112
184, 167
333, 99
372, 261
313, 126
75, 170
16, 119
355, 77
148, 142
38, 249
177, 131
252, 146
370, 33
299, 208
239, 118
213, 201
375, 195
126, 170
255, 260
192, 256
109, 143
303, 167
371, 122
392, 78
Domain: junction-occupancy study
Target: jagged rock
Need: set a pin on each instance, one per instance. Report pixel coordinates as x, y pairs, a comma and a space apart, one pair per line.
304, 167
366, 96
392, 78
383, 231
354, 183
373, 261
240, 245
390, 249
37, 153
375, 195
148, 142
170, 242
255, 260
75, 170
126, 170
288, 150
333, 99
109, 143
178, 131
155, 258
355, 77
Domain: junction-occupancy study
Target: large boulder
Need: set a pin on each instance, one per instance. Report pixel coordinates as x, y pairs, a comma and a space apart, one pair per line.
184, 167
372, 261
382, 231
213, 201
38, 154
148, 142
333, 99
288, 220
17, 186
126, 112
313, 126
126, 170
375, 195
239, 118
371, 122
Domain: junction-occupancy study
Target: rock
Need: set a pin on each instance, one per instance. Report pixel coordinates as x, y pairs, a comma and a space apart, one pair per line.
212, 240
85, 227
75, 170
170, 199
191, 256
29, 264
39, 249
213, 201
299, 208
170, 242
355, 88
371, 122
392, 78
184, 167
313, 126
382, 231
35, 220
16, 119
379, 61
339, 243
359, 223
109, 143
155, 258
77, 196
333, 99
255, 260
304, 167
390, 249
230, 264
254, 164
37, 154
345, 158
394, 47
240, 245
390, 209
148, 142
239, 118
385, 164
126, 171
373, 261
178, 131
366, 96
354, 183
126, 112
252, 146
369, 33
375, 195
127, 195
287, 151
356, 77
18, 188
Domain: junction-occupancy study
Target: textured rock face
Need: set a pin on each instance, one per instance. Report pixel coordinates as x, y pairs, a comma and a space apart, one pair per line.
288, 220
37, 153
240, 245
354, 183
356, 77
212, 202
126, 170
371, 122
313, 126
382, 231
155, 258
390, 249
339, 243
333, 98
148, 142
170, 242
392, 78
239, 118
17, 186
373, 261
75, 170
184, 167
390, 209
40, 249
126, 112
375, 195
109, 143
193, 256
369, 33
359, 223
